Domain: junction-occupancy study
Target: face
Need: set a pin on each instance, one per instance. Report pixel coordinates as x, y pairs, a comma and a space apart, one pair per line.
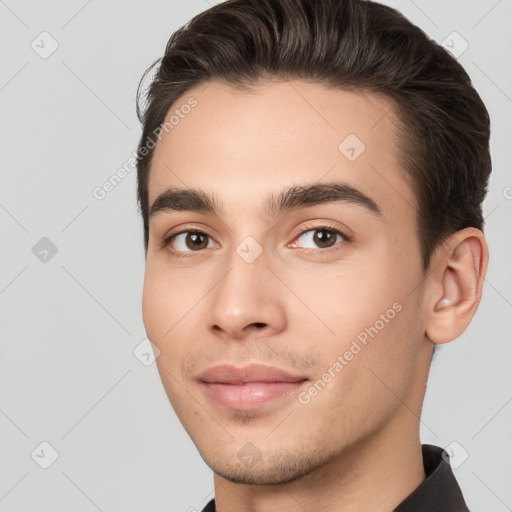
298, 253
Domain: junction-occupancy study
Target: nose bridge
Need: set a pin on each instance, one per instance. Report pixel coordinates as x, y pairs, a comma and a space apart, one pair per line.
246, 296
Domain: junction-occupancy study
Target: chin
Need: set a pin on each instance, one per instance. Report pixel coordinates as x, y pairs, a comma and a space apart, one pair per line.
264, 469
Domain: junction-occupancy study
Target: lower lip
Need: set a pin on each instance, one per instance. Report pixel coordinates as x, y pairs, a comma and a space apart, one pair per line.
251, 395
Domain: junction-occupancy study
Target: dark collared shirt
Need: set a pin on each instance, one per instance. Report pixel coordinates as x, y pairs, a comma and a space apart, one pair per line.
439, 492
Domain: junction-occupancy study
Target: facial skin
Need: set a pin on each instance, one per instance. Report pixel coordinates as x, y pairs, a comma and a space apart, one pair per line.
300, 304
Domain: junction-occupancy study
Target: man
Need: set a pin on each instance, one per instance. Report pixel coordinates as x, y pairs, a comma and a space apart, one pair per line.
311, 176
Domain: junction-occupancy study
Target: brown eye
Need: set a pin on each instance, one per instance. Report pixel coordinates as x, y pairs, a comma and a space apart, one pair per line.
188, 241
196, 240
324, 238
321, 237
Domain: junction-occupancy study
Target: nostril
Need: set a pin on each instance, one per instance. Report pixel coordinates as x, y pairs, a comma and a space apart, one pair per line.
259, 324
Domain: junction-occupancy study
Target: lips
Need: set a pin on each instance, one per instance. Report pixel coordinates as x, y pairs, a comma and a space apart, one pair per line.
253, 373
249, 387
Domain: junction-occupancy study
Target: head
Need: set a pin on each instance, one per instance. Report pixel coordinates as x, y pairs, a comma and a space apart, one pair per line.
310, 177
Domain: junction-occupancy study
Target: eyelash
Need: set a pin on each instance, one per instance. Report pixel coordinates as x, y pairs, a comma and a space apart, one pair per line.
323, 227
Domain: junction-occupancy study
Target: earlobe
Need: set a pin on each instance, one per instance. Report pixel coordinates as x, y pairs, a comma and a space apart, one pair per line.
459, 280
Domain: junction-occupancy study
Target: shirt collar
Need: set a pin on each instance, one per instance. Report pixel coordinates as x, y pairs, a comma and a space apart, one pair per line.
439, 492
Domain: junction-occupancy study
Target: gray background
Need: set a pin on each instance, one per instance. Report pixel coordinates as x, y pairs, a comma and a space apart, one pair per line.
70, 323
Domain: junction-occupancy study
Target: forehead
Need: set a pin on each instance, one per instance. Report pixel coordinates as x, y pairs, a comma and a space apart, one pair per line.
243, 145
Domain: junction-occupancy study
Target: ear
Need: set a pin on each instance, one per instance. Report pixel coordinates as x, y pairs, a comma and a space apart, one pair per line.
460, 265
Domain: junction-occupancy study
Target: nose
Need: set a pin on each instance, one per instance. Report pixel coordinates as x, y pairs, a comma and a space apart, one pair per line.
247, 301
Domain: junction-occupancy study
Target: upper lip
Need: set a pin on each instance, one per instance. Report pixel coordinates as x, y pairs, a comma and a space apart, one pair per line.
229, 374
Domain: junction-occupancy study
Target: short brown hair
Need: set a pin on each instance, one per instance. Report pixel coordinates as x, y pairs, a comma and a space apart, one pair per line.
352, 45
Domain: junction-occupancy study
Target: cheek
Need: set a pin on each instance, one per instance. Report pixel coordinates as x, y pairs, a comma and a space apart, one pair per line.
151, 306
160, 303
170, 303
344, 301
362, 311
161, 313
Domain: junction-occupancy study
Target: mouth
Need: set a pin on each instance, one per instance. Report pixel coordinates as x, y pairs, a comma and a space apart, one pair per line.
248, 387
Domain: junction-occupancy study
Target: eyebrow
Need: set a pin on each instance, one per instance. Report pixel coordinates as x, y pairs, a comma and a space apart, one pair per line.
295, 197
